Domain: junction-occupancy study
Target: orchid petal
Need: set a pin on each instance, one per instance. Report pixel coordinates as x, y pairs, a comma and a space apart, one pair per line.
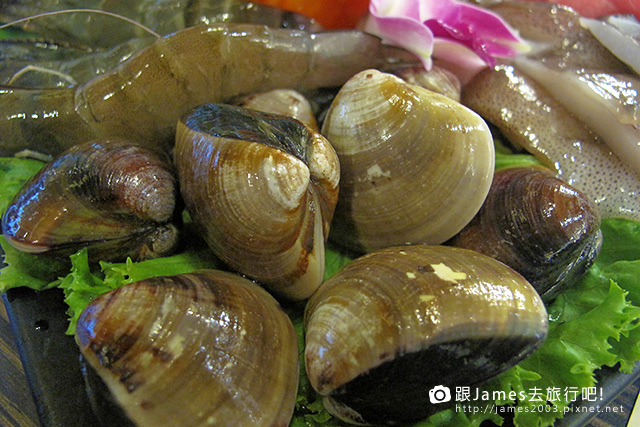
479, 29
408, 33
416, 24
395, 8
459, 59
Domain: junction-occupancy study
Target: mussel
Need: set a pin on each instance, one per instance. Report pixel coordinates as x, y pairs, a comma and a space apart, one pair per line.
537, 224
398, 322
207, 348
415, 165
263, 189
114, 197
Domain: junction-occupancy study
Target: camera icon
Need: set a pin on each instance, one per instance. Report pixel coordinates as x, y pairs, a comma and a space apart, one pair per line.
439, 394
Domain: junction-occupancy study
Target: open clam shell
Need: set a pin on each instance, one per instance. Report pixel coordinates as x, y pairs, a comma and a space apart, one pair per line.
207, 348
263, 189
398, 322
415, 165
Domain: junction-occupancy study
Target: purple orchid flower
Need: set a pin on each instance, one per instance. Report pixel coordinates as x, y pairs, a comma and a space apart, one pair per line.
461, 34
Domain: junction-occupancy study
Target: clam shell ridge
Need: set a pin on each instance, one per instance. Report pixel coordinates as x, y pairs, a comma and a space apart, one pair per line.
208, 348
110, 195
395, 323
415, 165
263, 189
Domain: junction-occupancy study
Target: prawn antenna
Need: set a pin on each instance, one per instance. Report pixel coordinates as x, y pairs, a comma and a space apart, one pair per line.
103, 12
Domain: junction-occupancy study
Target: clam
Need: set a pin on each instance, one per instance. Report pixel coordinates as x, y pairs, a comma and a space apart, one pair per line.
111, 196
207, 348
537, 224
287, 102
398, 322
415, 165
263, 190
437, 79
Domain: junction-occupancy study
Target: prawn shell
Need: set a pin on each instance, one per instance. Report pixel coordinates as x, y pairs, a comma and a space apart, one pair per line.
204, 348
114, 197
263, 190
144, 97
416, 165
97, 31
395, 323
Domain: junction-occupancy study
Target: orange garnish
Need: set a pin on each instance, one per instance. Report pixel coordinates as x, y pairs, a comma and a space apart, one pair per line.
331, 14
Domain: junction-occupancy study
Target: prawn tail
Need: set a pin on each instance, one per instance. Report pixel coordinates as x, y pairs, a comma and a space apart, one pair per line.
42, 121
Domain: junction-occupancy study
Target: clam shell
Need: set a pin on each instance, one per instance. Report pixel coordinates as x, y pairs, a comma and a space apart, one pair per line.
263, 190
437, 79
395, 323
114, 197
208, 348
287, 102
537, 224
415, 165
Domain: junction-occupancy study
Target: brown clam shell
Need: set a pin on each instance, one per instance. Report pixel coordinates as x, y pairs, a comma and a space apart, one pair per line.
263, 189
398, 322
415, 165
207, 348
537, 224
437, 79
114, 197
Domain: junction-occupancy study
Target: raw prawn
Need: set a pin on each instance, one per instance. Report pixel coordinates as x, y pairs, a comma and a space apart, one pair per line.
162, 16
143, 98
36, 63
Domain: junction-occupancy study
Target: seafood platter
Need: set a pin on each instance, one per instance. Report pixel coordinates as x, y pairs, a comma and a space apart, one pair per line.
418, 213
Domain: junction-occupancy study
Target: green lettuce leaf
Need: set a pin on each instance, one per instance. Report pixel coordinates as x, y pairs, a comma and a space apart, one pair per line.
334, 260
622, 242
31, 271
14, 173
572, 352
592, 325
504, 161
